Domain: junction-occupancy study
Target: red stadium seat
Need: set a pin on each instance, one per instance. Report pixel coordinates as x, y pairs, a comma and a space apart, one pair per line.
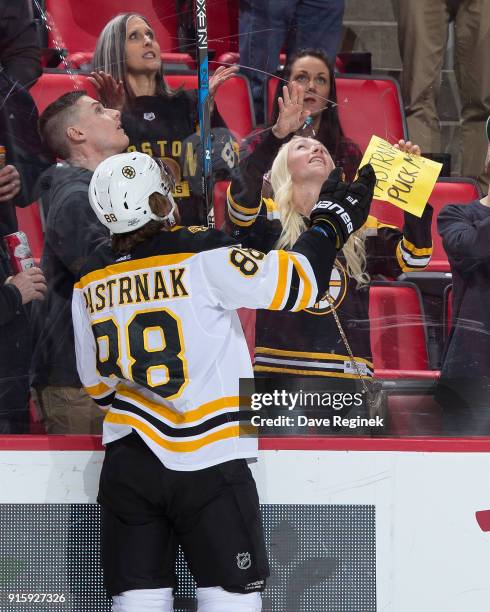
233, 98
82, 60
233, 57
448, 191
367, 106
448, 311
76, 26
51, 85
219, 200
29, 220
398, 335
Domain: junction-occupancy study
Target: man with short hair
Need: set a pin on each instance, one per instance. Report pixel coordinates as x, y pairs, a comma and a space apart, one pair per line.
79, 130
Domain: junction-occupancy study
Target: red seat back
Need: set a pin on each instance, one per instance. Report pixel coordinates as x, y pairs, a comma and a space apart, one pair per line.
398, 339
51, 86
233, 99
219, 200
29, 220
366, 106
76, 25
448, 191
82, 59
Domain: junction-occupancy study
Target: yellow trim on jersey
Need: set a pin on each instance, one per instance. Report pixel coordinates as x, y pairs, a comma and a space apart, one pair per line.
403, 264
177, 418
270, 204
333, 356
181, 447
282, 280
415, 250
307, 289
132, 266
374, 223
239, 207
307, 372
99, 389
240, 223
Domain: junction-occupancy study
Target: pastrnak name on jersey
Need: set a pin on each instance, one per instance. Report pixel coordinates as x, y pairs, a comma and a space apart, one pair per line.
158, 284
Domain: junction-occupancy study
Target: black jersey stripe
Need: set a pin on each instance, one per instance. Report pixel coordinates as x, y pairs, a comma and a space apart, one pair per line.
293, 289
183, 432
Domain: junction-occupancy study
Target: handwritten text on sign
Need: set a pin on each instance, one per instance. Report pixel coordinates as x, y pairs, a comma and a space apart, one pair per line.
402, 179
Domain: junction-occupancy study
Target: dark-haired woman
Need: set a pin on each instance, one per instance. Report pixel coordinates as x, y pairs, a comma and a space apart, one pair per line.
312, 71
128, 73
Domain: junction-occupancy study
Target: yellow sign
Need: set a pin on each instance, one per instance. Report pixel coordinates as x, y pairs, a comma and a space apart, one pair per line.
402, 179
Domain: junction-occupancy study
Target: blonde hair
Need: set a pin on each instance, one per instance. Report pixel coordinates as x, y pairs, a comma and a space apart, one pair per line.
293, 223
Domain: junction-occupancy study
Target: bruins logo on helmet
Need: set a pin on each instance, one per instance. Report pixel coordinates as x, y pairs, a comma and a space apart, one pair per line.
337, 290
128, 172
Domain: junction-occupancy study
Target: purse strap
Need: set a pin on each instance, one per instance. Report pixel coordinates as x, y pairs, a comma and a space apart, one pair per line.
372, 401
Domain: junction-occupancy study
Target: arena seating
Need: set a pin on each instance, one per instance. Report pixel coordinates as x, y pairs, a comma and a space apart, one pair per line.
29, 219
448, 310
51, 85
82, 60
233, 57
366, 105
233, 99
77, 30
398, 334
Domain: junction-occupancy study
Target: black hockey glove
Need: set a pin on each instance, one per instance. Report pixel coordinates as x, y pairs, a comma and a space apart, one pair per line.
344, 206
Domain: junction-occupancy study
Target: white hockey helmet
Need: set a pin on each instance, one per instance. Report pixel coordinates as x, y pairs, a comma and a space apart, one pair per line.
120, 189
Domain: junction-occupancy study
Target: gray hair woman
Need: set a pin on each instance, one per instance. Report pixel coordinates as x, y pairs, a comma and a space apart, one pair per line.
129, 75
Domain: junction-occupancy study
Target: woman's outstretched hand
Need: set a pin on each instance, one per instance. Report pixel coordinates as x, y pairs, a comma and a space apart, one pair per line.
291, 114
111, 92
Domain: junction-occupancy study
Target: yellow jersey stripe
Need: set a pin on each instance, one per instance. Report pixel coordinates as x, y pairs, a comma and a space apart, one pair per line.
239, 222
156, 261
307, 289
374, 223
238, 207
180, 447
414, 250
307, 372
403, 264
282, 279
98, 389
180, 418
327, 356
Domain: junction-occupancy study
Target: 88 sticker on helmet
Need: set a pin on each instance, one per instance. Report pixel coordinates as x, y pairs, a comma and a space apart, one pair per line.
120, 190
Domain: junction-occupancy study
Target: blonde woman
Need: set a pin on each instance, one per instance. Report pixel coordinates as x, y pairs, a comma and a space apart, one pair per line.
308, 343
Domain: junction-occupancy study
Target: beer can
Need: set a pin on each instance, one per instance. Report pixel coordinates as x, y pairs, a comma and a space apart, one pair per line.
19, 252
3, 156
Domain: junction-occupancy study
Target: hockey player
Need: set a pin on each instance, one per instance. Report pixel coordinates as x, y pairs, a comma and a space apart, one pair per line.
160, 346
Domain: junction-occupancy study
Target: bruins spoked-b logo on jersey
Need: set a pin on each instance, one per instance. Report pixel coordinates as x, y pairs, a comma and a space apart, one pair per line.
337, 290
128, 172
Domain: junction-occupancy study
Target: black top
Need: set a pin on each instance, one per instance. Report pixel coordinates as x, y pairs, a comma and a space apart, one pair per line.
19, 47
158, 126
15, 334
19, 136
72, 233
465, 230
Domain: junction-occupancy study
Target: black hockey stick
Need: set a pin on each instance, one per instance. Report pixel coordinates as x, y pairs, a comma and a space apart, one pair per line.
204, 109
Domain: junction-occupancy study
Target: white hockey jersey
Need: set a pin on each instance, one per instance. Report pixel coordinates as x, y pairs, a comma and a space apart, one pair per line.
158, 341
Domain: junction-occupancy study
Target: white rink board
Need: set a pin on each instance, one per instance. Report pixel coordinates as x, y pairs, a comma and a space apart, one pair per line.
431, 554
